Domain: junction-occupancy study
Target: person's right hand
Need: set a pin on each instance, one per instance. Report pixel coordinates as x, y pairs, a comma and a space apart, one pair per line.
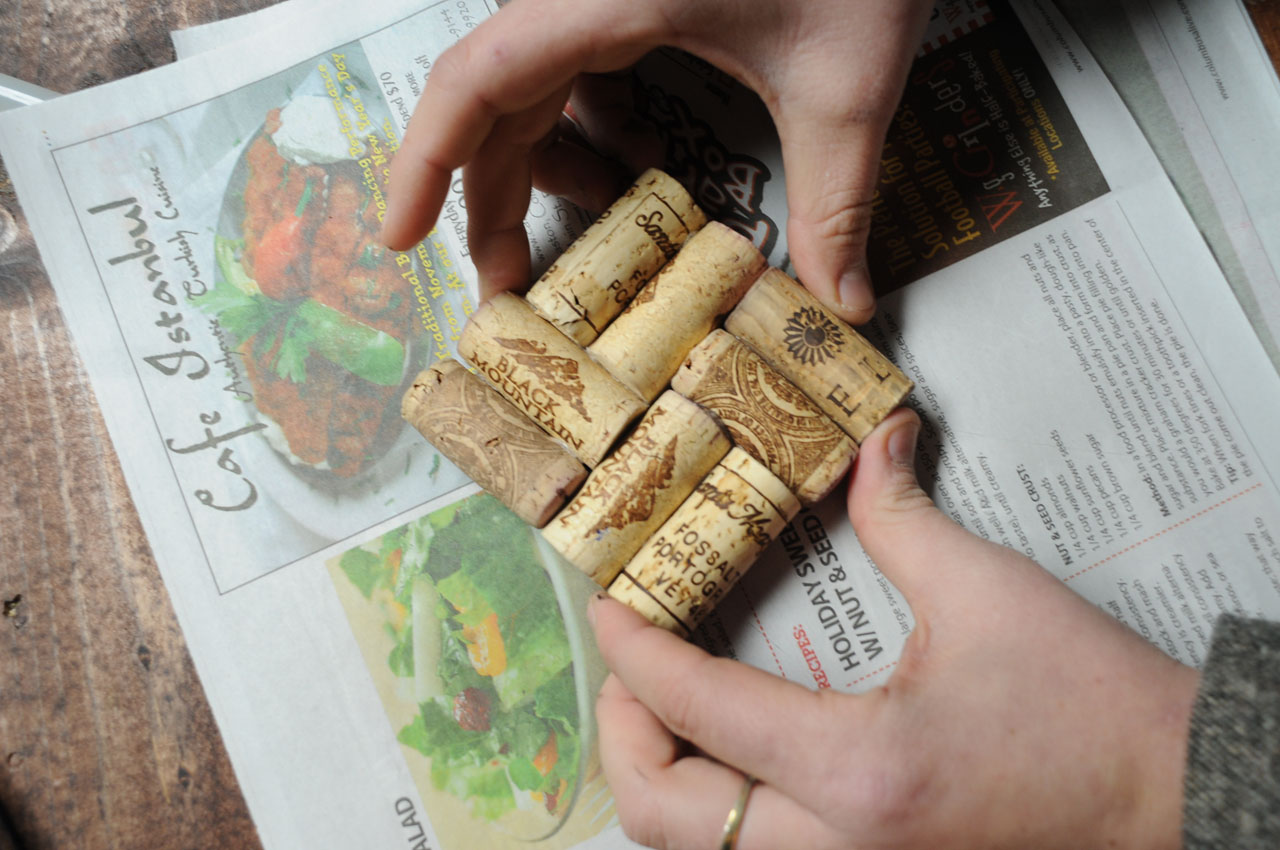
830, 72
1018, 716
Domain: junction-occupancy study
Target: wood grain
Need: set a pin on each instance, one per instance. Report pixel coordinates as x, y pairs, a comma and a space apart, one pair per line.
106, 739
1266, 17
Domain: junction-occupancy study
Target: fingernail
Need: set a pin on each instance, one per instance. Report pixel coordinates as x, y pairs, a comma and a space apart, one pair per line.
591, 606
854, 297
902, 444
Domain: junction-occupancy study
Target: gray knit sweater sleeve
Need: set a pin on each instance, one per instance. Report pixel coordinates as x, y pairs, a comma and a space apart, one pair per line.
1233, 756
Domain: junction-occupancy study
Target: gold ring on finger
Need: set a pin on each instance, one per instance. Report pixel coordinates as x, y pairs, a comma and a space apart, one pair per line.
733, 823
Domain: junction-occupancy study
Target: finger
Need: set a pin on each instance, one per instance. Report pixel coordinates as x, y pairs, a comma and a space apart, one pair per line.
496, 237
497, 70
603, 105
830, 184
831, 141
897, 523
631, 734
567, 166
497, 183
685, 688
666, 801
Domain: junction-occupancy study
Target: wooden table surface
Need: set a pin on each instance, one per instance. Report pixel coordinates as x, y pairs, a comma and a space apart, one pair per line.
106, 740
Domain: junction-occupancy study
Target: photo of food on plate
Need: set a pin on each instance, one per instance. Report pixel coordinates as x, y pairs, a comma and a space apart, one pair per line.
320, 312
475, 635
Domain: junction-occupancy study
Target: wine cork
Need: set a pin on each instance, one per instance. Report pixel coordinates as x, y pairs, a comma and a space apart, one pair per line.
674, 311
637, 487
491, 441
767, 416
832, 363
702, 550
604, 268
546, 375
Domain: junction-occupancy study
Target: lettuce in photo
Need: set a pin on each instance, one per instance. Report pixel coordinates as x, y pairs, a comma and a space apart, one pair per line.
478, 629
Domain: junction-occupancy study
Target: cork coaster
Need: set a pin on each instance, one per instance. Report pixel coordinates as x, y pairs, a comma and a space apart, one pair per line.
684, 493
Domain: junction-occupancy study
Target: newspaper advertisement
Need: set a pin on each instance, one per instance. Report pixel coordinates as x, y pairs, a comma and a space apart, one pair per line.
391, 657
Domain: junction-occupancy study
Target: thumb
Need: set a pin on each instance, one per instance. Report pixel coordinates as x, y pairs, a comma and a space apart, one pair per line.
833, 102
831, 171
902, 530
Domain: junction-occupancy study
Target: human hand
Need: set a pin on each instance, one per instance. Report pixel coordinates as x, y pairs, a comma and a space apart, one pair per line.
830, 72
1018, 716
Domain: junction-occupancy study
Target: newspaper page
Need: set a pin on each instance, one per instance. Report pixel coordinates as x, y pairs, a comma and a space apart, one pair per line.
1202, 88
211, 229
1141, 63
1222, 89
205, 37
15, 93
1092, 395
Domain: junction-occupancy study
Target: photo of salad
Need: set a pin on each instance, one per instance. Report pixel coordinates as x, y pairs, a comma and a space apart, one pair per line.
316, 307
485, 672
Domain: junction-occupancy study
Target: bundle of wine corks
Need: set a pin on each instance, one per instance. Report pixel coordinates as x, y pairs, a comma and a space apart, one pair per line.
658, 453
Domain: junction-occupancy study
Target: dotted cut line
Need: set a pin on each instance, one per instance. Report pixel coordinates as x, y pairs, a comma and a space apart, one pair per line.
877, 672
751, 606
1164, 532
